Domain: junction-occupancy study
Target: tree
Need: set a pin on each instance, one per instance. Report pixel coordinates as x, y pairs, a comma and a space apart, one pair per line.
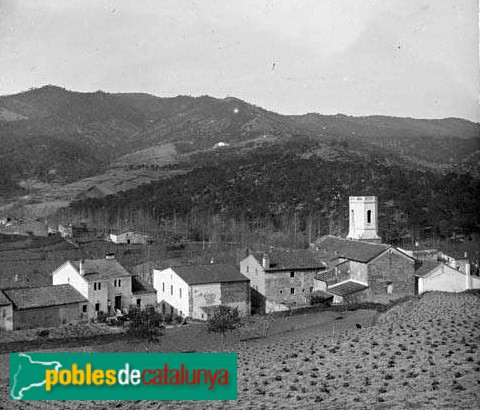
223, 319
145, 323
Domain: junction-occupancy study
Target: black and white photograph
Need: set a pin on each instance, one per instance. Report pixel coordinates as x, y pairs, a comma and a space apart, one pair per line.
287, 187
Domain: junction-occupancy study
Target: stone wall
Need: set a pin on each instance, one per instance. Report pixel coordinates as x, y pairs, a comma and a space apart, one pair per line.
236, 295
390, 276
49, 316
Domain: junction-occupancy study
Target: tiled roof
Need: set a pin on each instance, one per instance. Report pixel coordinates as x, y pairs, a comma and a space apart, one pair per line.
54, 295
140, 286
213, 273
290, 259
97, 269
425, 267
4, 301
347, 288
359, 251
322, 294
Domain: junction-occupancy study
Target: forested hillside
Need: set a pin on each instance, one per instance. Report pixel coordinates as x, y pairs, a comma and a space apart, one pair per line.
287, 189
272, 172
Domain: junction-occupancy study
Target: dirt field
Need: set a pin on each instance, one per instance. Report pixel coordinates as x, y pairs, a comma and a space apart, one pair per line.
421, 354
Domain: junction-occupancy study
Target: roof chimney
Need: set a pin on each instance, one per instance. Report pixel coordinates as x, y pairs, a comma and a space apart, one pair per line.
110, 255
81, 267
266, 261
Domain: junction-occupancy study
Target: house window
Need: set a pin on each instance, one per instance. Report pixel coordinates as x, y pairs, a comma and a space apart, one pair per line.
369, 216
171, 289
99, 286
180, 293
95, 286
119, 282
163, 287
97, 307
139, 302
248, 268
389, 288
311, 289
292, 291
292, 274
84, 308
115, 283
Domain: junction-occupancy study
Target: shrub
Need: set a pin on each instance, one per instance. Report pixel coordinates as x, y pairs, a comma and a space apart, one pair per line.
223, 319
145, 323
43, 333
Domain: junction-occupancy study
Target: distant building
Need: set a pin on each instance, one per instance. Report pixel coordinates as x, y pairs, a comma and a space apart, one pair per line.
107, 285
363, 219
281, 280
45, 306
362, 271
194, 290
25, 227
6, 313
130, 237
439, 276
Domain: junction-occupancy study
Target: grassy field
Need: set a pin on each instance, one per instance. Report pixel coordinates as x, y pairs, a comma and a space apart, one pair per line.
421, 354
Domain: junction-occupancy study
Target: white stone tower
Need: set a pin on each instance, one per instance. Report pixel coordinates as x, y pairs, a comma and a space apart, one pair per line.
363, 219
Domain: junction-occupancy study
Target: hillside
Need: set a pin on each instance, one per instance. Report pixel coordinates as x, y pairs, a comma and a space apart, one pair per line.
61, 136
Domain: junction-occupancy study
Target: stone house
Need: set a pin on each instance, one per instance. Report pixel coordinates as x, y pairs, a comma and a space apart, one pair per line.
6, 313
107, 285
281, 280
193, 290
360, 271
46, 306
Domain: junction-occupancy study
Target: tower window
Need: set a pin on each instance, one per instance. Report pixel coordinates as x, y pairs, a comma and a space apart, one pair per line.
292, 274
369, 216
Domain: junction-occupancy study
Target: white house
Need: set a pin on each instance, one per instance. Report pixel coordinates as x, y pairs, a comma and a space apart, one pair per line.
193, 290
129, 237
106, 284
438, 276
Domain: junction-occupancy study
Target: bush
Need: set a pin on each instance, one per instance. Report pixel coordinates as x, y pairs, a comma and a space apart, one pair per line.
43, 333
145, 323
223, 319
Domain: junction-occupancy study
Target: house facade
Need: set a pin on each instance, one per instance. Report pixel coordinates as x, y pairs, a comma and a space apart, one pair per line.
281, 280
107, 285
193, 290
129, 237
439, 276
6, 313
364, 272
46, 306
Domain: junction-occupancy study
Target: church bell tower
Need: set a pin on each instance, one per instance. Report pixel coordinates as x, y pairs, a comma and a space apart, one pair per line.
363, 219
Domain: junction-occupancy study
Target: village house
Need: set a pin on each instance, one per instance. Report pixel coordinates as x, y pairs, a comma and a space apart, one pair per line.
129, 237
440, 276
194, 290
281, 280
25, 227
362, 271
45, 306
107, 285
6, 313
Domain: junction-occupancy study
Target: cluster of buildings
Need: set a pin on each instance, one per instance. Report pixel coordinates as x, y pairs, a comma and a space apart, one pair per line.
358, 268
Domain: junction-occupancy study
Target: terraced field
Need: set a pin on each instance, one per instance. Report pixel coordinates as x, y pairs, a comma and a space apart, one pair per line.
423, 353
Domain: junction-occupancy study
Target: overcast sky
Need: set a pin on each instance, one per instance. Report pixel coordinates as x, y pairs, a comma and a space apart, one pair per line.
414, 58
